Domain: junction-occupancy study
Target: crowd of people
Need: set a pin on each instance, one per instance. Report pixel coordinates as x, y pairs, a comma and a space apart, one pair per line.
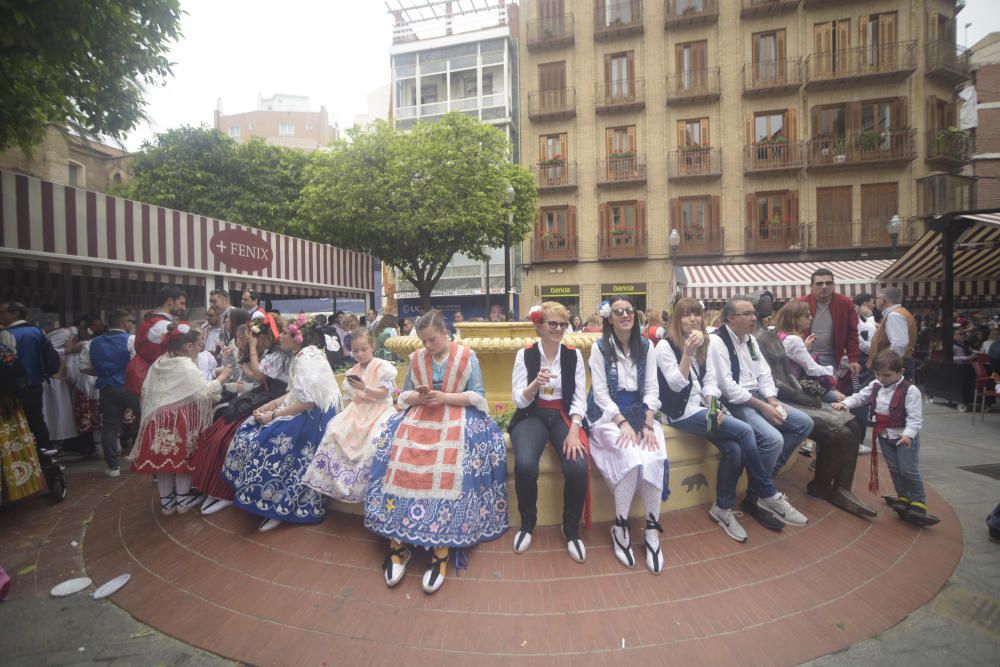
244, 410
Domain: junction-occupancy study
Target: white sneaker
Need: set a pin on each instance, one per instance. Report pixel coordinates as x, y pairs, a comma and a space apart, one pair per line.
654, 556
621, 542
268, 525
783, 510
727, 521
394, 572
216, 505
522, 540
112, 472
864, 450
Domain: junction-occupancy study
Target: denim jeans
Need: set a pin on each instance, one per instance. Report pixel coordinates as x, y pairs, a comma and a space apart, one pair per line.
114, 401
775, 443
904, 468
738, 449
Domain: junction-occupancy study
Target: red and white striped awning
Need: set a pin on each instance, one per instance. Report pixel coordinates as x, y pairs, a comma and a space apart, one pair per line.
720, 282
44, 222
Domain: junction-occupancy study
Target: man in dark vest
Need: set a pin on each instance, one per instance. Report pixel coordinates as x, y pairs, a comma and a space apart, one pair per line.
29, 340
106, 358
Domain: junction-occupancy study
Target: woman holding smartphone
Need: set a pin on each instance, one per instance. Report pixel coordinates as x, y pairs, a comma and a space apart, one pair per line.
342, 464
438, 479
550, 392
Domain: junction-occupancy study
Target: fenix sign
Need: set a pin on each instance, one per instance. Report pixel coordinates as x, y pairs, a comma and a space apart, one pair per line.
241, 250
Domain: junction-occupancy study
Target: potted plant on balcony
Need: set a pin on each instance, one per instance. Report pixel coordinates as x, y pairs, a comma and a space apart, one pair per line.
622, 156
870, 140
551, 162
840, 151
951, 136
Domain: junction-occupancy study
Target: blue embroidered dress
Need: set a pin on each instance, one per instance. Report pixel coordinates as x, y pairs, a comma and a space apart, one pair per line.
452, 492
265, 463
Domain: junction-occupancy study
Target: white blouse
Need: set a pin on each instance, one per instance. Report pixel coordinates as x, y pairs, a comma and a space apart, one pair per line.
668, 364
627, 380
519, 381
795, 349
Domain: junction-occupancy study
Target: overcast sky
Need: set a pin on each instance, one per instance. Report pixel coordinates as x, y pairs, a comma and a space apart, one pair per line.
334, 51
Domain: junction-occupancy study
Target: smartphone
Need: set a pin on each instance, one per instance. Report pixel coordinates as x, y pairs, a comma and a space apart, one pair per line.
353, 377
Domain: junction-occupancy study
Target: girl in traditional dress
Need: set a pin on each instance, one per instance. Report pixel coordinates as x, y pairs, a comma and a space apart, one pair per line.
550, 392
20, 471
176, 406
625, 441
263, 363
272, 449
438, 479
342, 465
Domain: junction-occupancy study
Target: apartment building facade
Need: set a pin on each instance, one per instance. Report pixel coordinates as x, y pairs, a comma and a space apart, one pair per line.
280, 120
760, 131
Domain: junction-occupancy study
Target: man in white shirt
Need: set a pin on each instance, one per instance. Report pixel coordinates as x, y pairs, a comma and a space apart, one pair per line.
219, 298
211, 332
748, 390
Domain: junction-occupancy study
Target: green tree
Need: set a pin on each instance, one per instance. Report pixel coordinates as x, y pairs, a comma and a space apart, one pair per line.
416, 198
200, 170
80, 64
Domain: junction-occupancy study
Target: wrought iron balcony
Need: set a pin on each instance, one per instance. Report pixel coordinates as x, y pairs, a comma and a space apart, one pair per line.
773, 237
772, 77
863, 64
761, 7
552, 104
553, 175
699, 85
696, 240
947, 62
617, 18
621, 169
551, 247
680, 13
864, 148
553, 32
769, 157
694, 162
621, 96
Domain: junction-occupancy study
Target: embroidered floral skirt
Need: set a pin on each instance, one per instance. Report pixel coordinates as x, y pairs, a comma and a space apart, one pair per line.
265, 465
87, 412
167, 444
21, 473
479, 514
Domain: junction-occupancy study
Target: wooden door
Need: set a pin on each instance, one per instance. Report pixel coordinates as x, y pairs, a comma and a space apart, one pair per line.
552, 85
879, 202
833, 217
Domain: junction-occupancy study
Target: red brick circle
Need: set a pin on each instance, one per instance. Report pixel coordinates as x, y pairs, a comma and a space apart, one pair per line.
313, 595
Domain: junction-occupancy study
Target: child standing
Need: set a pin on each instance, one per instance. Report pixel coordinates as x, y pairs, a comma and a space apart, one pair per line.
896, 409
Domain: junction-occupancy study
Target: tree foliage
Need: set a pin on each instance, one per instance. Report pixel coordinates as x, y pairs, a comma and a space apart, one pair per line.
416, 198
80, 64
200, 170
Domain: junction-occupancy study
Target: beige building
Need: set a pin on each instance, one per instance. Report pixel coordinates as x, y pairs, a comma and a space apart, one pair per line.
280, 120
66, 159
762, 131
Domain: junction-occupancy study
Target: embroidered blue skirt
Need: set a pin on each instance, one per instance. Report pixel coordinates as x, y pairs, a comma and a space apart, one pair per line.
479, 514
265, 465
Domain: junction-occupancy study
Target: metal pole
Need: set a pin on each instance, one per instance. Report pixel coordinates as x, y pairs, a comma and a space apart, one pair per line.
506, 262
948, 304
487, 297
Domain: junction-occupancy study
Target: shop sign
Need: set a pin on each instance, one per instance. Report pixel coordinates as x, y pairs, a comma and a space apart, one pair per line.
611, 289
560, 291
241, 250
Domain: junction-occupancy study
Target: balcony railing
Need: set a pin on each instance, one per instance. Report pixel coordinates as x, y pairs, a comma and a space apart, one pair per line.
622, 170
765, 237
863, 148
681, 13
624, 95
694, 162
554, 248
772, 77
947, 61
706, 240
553, 32
866, 233
551, 104
699, 85
877, 62
758, 7
773, 157
950, 147
617, 18
624, 243
555, 175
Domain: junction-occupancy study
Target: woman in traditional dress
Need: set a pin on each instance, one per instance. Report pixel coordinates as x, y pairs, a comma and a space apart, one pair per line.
272, 449
57, 399
626, 442
176, 406
20, 472
550, 391
438, 479
263, 363
342, 465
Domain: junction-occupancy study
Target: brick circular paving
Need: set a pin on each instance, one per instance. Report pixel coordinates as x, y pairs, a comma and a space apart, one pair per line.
313, 595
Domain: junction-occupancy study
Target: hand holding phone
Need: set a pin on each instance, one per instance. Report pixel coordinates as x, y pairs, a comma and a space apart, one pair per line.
423, 389
353, 378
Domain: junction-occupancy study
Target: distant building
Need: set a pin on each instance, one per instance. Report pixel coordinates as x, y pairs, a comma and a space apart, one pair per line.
280, 120
985, 60
66, 159
378, 106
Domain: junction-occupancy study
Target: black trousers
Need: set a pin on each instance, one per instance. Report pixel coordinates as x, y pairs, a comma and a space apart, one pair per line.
31, 403
528, 439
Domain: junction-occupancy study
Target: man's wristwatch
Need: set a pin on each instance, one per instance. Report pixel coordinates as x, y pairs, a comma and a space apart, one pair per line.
577, 421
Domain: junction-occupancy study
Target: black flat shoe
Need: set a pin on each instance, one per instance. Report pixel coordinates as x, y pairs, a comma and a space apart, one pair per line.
763, 517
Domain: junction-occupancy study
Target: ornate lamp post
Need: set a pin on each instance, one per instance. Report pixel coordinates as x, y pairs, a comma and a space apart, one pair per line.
894, 227
509, 205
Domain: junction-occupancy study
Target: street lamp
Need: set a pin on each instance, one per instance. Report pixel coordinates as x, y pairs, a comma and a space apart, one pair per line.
674, 241
894, 227
508, 203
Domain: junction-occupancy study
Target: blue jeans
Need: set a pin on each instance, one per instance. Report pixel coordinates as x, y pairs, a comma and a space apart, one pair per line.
904, 468
738, 449
776, 443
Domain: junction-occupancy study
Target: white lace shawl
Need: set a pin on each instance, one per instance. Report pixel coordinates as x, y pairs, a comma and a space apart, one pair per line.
311, 380
172, 382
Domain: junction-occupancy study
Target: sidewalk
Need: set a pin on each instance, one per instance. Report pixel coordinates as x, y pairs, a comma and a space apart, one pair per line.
961, 625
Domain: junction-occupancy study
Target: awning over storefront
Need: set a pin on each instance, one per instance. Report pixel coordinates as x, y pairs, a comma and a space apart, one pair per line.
976, 263
44, 223
719, 282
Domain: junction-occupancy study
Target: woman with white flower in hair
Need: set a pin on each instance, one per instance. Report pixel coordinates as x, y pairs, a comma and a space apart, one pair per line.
272, 449
176, 408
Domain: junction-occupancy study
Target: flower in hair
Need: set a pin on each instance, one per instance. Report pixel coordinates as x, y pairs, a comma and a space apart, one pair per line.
535, 314
181, 329
605, 310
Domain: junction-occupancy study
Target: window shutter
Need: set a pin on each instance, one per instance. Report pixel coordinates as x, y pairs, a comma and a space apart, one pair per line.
679, 61
611, 140
843, 37
791, 132
755, 55
900, 118
571, 228
815, 120
640, 227
862, 30
705, 136
792, 206
751, 137
540, 223
543, 148
564, 146
887, 29
751, 210
713, 233
631, 138
853, 117
630, 74
932, 27
602, 14
607, 75
779, 40
681, 134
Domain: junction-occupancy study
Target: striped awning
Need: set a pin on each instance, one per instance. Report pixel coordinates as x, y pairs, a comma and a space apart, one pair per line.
720, 282
976, 263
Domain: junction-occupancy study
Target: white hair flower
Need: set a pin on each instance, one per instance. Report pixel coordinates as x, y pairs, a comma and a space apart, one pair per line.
605, 310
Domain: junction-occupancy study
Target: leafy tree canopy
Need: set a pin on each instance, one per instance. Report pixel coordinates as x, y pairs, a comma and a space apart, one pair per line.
200, 170
80, 64
416, 198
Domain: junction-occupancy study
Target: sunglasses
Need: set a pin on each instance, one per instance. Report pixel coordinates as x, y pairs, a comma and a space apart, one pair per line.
557, 325
622, 312
823, 283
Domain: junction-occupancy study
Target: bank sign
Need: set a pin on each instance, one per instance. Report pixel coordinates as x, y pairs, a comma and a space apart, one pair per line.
241, 250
